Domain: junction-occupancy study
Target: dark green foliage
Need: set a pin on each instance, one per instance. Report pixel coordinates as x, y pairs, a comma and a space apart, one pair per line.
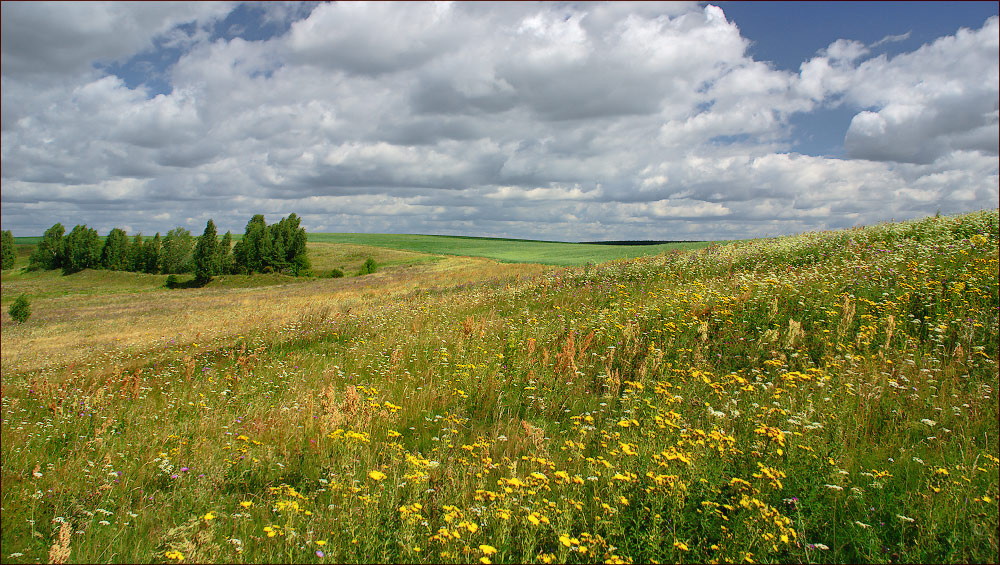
369, 267
176, 255
115, 254
172, 281
135, 260
152, 255
225, 255
293, 240
7, 250
336, 274
49, 252
20, 309
247, 253
280, 247
82, 248
206, 254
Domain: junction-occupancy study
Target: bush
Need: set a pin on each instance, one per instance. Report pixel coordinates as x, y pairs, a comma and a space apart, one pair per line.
336, 274
20, 310
369, 267
7, 250
172, 281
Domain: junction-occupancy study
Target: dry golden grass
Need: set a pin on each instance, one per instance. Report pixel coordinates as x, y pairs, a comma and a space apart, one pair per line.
78, 327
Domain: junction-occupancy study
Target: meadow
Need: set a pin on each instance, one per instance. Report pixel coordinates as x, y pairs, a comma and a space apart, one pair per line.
507, 250
828, 397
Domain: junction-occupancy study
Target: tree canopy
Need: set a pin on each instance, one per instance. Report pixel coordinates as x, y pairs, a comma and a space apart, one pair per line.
278, 248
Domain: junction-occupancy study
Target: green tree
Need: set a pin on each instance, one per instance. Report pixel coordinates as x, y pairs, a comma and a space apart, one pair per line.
369, 267
279, 247
293, 245
248, 252
20, 309
114, 255
206, 254
82, 248
49, 252
225, 253
152, 255
7, 250
136, 260
176, 252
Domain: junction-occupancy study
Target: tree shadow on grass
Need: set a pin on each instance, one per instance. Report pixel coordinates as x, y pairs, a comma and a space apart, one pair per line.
173, 282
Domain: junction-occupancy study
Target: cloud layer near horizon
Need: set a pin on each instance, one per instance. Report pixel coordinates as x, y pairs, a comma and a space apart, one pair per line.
546, 121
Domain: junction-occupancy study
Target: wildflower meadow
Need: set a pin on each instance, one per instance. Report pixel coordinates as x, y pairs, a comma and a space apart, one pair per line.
827, 397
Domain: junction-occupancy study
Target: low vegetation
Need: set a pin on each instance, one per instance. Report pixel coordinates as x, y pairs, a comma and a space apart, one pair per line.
823, 398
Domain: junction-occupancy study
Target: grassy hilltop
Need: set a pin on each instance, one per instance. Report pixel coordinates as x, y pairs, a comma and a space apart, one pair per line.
828, 397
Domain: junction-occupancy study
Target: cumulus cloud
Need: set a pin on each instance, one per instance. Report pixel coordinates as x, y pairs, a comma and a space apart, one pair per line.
56, 38
559, 121
921, 105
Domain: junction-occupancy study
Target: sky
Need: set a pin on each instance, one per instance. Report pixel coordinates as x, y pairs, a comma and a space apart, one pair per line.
553, 121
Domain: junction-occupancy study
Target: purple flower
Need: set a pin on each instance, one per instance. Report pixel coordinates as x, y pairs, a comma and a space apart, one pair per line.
184, 469
319, 553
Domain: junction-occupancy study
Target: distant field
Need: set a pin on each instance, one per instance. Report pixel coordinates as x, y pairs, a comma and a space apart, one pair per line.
499, 249
507, 250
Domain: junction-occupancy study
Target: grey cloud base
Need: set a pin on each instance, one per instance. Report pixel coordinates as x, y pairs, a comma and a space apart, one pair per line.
544, 121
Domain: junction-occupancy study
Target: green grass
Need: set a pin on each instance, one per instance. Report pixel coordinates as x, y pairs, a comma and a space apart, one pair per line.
507, 250
823, 398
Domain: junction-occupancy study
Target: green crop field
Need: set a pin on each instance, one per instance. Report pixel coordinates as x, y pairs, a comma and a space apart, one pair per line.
507, 250
825, 398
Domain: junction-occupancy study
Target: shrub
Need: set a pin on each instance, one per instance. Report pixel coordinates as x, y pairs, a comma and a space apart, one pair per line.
172, 281
369, 267
336, 274
7, 250
20, 310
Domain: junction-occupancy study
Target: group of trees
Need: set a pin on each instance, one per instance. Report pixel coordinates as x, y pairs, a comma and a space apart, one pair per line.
280, 247
7, 250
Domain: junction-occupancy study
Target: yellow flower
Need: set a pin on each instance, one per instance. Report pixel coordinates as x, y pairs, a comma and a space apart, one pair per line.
681, 545
321, 543
485, 560
487, 549
533, 518
209, 517
394, 433
174, 555
246, 503
376, 475
564, 539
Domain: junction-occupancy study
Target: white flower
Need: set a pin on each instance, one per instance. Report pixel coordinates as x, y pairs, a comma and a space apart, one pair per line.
904, 518
929, 422
834, 487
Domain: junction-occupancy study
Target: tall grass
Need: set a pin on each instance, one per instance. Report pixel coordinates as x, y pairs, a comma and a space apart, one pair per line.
829, 397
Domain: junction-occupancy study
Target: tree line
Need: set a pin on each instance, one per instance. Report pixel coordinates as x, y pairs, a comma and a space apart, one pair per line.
278, 248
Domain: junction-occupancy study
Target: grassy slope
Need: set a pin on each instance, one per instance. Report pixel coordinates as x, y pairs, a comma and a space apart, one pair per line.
506, 250
829, 397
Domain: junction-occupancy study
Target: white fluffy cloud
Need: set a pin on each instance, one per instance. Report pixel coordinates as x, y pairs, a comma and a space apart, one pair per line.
560, 121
